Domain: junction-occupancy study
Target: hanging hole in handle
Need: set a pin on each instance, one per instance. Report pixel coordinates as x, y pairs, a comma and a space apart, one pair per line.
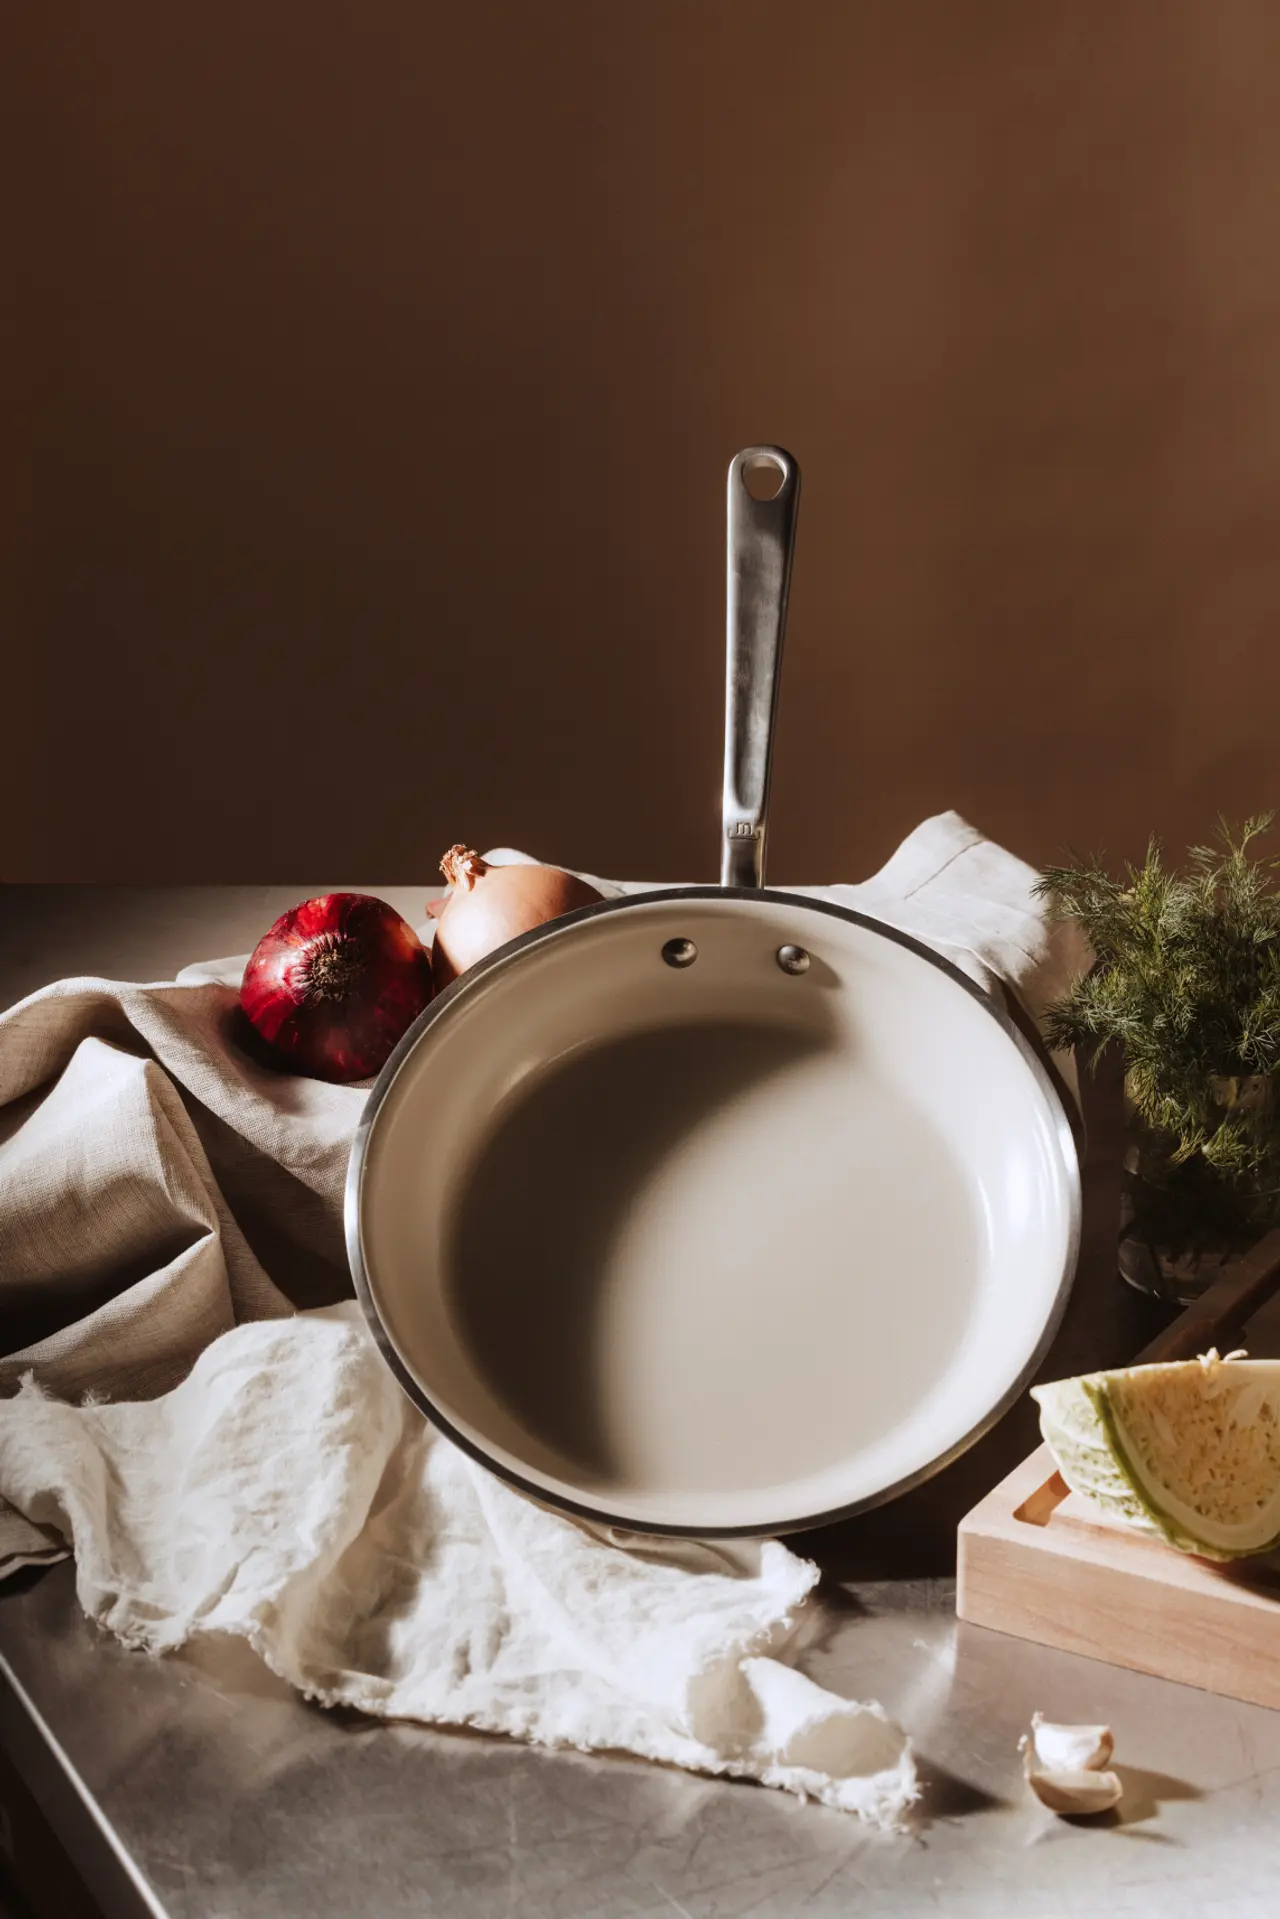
763, 477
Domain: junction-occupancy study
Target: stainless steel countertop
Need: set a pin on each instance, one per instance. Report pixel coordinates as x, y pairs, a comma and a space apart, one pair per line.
199, 1785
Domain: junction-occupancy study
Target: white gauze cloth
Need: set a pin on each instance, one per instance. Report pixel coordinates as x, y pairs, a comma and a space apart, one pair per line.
239, 1467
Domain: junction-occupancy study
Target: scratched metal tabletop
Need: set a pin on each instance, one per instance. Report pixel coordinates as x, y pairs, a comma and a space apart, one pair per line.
199, 1786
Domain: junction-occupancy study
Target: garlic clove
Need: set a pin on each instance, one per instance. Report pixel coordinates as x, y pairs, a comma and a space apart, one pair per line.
1070, 1748
1076, 1790
1064, 1766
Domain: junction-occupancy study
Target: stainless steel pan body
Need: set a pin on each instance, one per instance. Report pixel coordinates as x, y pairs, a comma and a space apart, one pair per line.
715, 1210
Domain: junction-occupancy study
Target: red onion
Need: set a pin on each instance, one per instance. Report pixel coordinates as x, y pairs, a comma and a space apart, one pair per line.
489, 905
335, 983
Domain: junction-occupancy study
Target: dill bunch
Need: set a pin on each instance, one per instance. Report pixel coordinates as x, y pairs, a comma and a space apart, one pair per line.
1187, 980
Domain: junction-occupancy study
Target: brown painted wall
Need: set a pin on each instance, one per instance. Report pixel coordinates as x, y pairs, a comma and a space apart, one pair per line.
374, 370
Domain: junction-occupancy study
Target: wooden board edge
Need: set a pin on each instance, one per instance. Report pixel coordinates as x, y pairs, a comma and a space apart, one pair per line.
1123, 1615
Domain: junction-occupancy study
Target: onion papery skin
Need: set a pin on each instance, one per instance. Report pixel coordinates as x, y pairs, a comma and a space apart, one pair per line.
335, 984
489, 905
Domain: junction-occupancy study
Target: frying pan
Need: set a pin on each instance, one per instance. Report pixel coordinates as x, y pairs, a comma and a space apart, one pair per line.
715, 1210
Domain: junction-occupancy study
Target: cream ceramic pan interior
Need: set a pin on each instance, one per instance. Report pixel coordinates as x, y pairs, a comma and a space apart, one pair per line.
718, 1247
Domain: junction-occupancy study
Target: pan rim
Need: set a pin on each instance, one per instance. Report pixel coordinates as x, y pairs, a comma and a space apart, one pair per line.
502, 957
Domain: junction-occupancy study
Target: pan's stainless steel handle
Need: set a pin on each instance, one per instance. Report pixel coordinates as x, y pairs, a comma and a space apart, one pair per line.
761, 538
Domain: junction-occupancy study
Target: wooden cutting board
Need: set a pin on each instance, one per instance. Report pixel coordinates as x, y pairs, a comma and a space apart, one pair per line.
1038, 1561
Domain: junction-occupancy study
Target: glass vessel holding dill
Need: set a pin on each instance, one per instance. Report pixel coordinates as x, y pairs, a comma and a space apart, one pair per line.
1186, 981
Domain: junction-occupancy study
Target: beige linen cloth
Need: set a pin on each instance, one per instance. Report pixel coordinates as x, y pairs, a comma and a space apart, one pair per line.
197, 1411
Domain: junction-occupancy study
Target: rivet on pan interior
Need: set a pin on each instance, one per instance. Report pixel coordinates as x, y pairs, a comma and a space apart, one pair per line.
793, 959
682, 953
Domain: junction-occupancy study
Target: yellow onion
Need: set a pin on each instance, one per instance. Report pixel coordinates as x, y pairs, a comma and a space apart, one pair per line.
489, 905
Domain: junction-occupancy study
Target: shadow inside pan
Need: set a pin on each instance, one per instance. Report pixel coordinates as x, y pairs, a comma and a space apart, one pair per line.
534, 1254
